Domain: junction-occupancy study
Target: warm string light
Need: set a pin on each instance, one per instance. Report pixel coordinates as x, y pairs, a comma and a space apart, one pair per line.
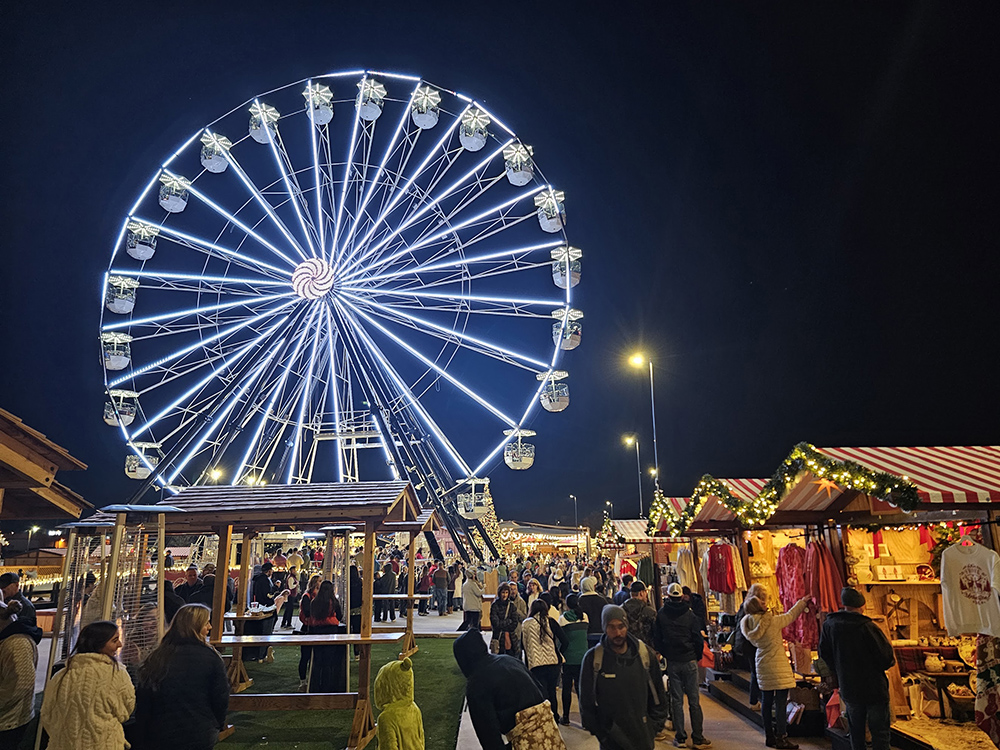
608, 537
662, 514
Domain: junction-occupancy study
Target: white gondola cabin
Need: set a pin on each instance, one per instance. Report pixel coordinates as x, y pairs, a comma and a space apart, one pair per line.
371, 95
551, 210
566, 266
424, 107
568, 330
475, 503
472, 131
117, 350
119, 297
517, 454
121, 409
319, 103
518, 164
173, 193
141, 464
140, 240
214, 148
263, 122
555, 395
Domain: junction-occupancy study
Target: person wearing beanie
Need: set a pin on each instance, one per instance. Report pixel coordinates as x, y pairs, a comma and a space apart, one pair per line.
18, 661
858, 653
592, 603
622, 700
677, 635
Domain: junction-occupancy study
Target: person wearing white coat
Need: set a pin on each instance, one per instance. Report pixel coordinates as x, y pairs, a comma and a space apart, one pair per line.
86, 703
774, 673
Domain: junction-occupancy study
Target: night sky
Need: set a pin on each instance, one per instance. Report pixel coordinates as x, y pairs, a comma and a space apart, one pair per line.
793, 208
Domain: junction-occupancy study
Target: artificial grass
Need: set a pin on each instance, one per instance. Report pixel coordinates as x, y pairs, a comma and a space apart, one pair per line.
438, 684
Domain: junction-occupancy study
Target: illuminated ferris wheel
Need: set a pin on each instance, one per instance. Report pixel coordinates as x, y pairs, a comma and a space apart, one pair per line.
293, 287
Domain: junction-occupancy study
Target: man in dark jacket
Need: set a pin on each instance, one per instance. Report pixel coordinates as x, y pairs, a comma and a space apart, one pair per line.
192, 584
640, 615
498, 687
622, 595
592, 605
857, 652
622, 701
10, 588
677, 636
263, 591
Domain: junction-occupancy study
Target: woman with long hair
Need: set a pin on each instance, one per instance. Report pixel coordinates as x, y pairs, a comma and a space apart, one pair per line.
305, 652
504, 619
541, 650
86, 702
325, 616
183, 691
762, 628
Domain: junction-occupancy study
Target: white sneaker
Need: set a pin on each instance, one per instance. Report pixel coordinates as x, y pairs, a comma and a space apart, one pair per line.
303, 686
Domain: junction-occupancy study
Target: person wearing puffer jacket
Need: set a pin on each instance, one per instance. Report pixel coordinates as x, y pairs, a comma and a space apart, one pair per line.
774, 673
86, 703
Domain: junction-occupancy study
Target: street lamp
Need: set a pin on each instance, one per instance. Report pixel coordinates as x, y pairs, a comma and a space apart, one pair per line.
576, 516
634, 440
31, 531
638, 360
216, 474
608, 502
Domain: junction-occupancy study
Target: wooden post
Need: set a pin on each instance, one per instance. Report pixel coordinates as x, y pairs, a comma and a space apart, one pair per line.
161, 575
409, 642
328, 559
367, 581
242, 590
111, 576
221, 569
741, 545
67, 585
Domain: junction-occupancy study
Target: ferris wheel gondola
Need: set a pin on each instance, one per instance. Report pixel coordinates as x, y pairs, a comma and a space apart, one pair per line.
318, 285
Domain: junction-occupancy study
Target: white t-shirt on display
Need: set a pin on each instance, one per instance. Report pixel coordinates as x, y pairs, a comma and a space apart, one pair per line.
970, 584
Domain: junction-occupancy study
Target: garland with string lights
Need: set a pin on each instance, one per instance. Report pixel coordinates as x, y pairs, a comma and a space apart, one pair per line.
662, 516
895, 490
3, 540
608, 537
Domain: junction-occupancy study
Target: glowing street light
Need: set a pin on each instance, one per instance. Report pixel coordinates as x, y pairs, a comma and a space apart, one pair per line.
215, 474
576, 516
31, 531
638, 360
634, 440
612, 506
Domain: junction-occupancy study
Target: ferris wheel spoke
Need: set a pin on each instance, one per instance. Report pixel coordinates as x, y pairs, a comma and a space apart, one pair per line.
179, 315
214, 250
368, 345
501, 211
227, 362
452, 335
320, 228
458, 262
334, 385
196, 345
304, 400
274, 395
434, 366
256, 194
513, 303
373, 185
175, 280
396, 195
219, 419
423, 207
291, 182
228, 216
348, 166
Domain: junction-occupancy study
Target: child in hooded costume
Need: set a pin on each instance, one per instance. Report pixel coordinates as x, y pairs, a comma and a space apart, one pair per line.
400, 725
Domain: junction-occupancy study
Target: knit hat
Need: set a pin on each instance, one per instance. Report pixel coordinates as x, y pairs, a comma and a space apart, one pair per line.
612, 612
852, 598
674, 591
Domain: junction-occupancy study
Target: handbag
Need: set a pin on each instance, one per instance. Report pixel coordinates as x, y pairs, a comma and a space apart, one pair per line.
535, 729
707, 659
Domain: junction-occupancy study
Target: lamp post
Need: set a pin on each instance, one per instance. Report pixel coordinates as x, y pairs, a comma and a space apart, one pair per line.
638, 360
31, 531
576, 517
612, 505
634, 440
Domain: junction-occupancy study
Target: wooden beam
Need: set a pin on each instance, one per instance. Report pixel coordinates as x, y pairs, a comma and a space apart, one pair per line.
293, 701
368, 578
221, 577
161, 577
20, 459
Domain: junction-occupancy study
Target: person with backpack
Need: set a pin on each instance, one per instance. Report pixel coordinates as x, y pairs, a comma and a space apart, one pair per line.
677, 633
539, 634
574, 626
622, 700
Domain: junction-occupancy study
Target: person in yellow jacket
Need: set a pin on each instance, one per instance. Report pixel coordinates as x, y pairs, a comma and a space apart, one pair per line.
400, 725
86, 703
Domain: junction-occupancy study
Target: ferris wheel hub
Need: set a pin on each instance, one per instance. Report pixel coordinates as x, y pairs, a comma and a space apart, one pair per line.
313, 278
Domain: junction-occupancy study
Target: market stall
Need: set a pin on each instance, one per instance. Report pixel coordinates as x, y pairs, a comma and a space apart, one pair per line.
883, 518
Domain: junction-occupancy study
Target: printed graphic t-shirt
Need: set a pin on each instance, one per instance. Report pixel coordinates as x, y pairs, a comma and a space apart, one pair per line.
970, 584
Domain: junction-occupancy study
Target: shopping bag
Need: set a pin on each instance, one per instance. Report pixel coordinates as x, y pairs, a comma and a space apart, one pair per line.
707, 657
535, 728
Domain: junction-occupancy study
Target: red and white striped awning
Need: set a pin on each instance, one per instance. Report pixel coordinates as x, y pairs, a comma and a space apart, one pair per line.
713, 513
634, 531
950, 474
